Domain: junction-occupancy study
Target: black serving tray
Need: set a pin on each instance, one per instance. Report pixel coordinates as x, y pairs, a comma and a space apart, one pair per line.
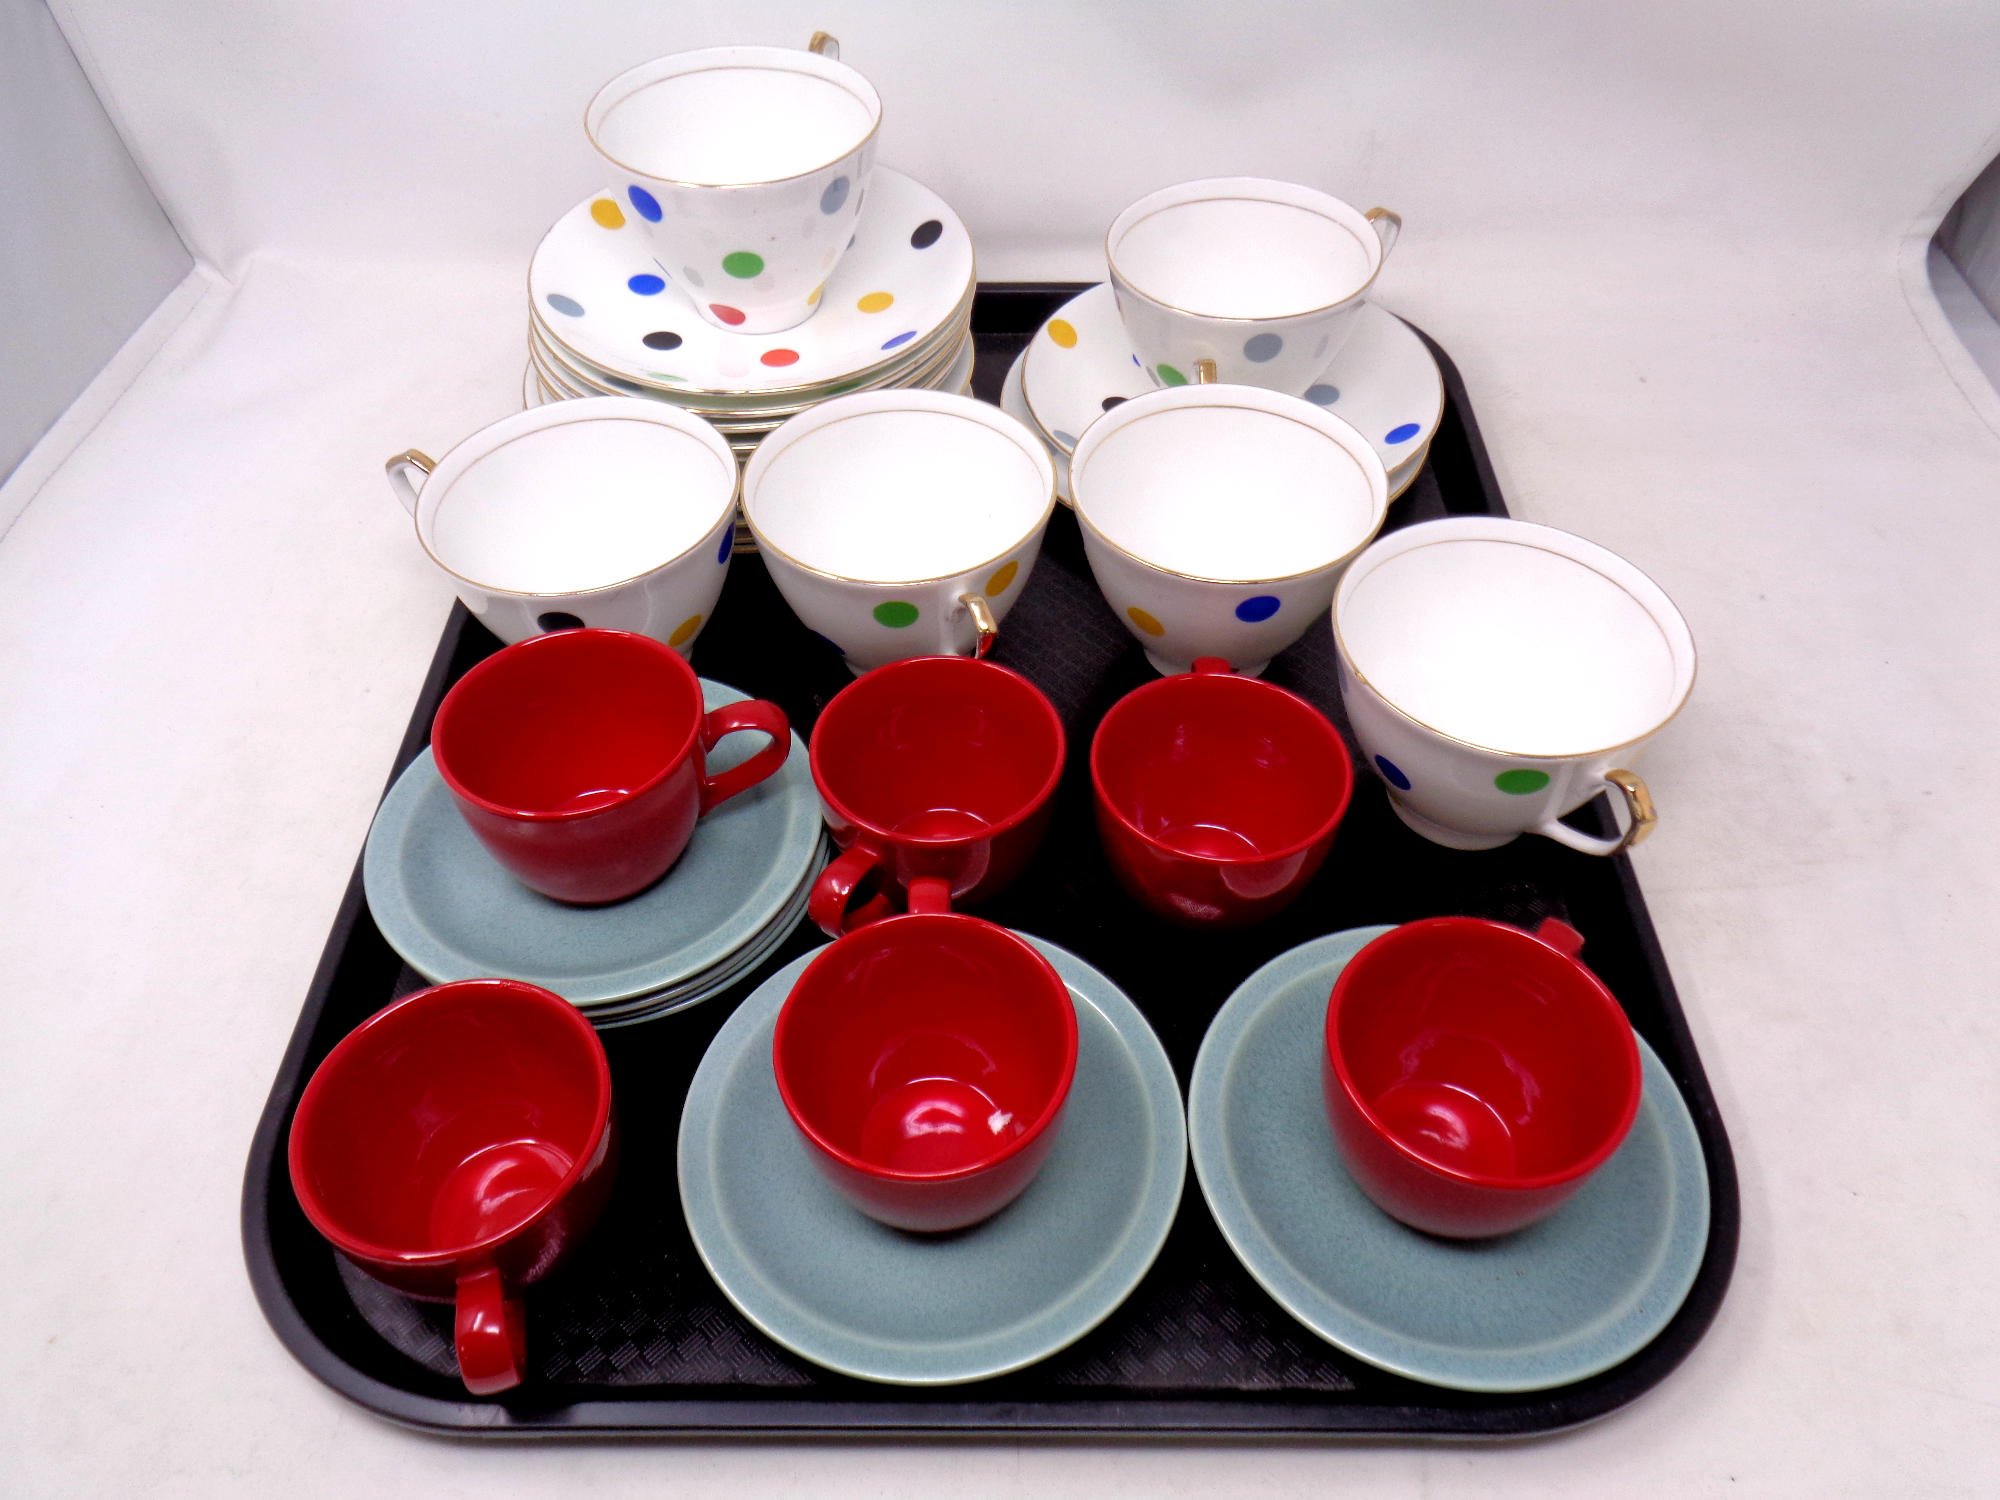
632, 1337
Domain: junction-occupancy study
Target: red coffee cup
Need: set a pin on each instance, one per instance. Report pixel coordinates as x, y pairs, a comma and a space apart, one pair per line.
578, 759
457, 1145
933, 766
926, 1059
1476, 1074
1217, 795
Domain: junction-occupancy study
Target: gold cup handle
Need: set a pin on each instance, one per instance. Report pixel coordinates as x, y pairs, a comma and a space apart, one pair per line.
986, 629
1204, 372
825, 43
1388, 227
1640, 819
400, 483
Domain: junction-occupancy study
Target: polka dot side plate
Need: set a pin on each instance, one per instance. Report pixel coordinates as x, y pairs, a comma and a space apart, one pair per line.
1383, 381
599, 289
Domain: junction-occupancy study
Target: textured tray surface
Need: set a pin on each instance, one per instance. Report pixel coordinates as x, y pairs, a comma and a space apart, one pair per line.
633, 1337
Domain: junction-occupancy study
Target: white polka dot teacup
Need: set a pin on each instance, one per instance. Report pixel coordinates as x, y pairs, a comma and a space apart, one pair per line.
1218, 518
609, 511
900, 523
748, 166
1262, 277
1499, 675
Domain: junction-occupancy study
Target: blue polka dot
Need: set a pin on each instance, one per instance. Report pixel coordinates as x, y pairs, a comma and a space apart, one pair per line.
1262, 347
645, 202
647, 286
1064, 438
1392, 773
569, 307
1135, 361
1322, 395
728, 544
900, 339
834, 196
1257, 609
1402, 434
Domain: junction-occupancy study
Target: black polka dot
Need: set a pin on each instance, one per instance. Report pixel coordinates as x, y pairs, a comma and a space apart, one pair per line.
926, 234
1111, 401
555, 619
662, 340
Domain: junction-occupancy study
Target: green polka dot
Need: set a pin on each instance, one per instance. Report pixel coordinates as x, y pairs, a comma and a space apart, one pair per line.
896, 614
743, 264
1170, 376
1521, 781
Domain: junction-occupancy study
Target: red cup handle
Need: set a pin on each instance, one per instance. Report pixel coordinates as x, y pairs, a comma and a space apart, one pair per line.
1560, 936
1211, 666
492, 1335
827, 905
766, 718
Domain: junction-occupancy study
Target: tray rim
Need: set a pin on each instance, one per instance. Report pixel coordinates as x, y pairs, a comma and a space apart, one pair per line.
1218, 1416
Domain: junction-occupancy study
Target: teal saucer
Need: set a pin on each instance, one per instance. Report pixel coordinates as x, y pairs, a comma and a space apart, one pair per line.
1585, 1288
452, 912
855, 1296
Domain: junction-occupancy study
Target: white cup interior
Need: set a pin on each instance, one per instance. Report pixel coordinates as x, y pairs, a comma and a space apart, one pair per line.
1239, 254
576, 506
738, 116
1515, 646
1230, 492
896, 494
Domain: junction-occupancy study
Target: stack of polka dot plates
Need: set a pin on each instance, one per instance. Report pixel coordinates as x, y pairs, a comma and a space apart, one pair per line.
1080, 364
608, 317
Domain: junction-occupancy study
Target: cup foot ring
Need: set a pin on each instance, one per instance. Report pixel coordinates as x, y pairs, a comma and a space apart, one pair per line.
1450, 838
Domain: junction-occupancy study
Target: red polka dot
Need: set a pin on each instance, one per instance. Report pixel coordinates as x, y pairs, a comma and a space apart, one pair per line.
781, 356
729, 315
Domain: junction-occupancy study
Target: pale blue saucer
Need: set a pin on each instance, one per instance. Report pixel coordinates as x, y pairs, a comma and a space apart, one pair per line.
1577, 1293
453, 912
855, 1296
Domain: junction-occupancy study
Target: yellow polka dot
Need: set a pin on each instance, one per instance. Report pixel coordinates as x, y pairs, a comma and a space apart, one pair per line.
607, 213
1145, 621
1002, 576
1062, 333
813, 299
875, 302
684, 632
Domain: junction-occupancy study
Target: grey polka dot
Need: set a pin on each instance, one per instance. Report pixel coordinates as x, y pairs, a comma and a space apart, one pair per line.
1325, 343
834, 196
1322, 395
1261, 347
569, 307
691, 276
1064, 438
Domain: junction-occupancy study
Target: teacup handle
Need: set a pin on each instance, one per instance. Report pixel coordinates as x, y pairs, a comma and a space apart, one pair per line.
490, 1333
1211, 666
1639, 819
826, 44
398, 470
1388, 227
766, 718
986, 629
831, 893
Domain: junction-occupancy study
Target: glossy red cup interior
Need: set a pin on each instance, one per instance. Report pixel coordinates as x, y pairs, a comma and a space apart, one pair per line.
926, 1059
456, 1145
578, 758
1217, 796
1476, 1074
934, 766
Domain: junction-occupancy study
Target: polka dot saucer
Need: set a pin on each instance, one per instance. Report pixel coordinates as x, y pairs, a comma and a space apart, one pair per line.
597, 290
1383, 382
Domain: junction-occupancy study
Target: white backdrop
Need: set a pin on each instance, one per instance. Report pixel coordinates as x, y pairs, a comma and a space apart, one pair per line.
1677, 254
